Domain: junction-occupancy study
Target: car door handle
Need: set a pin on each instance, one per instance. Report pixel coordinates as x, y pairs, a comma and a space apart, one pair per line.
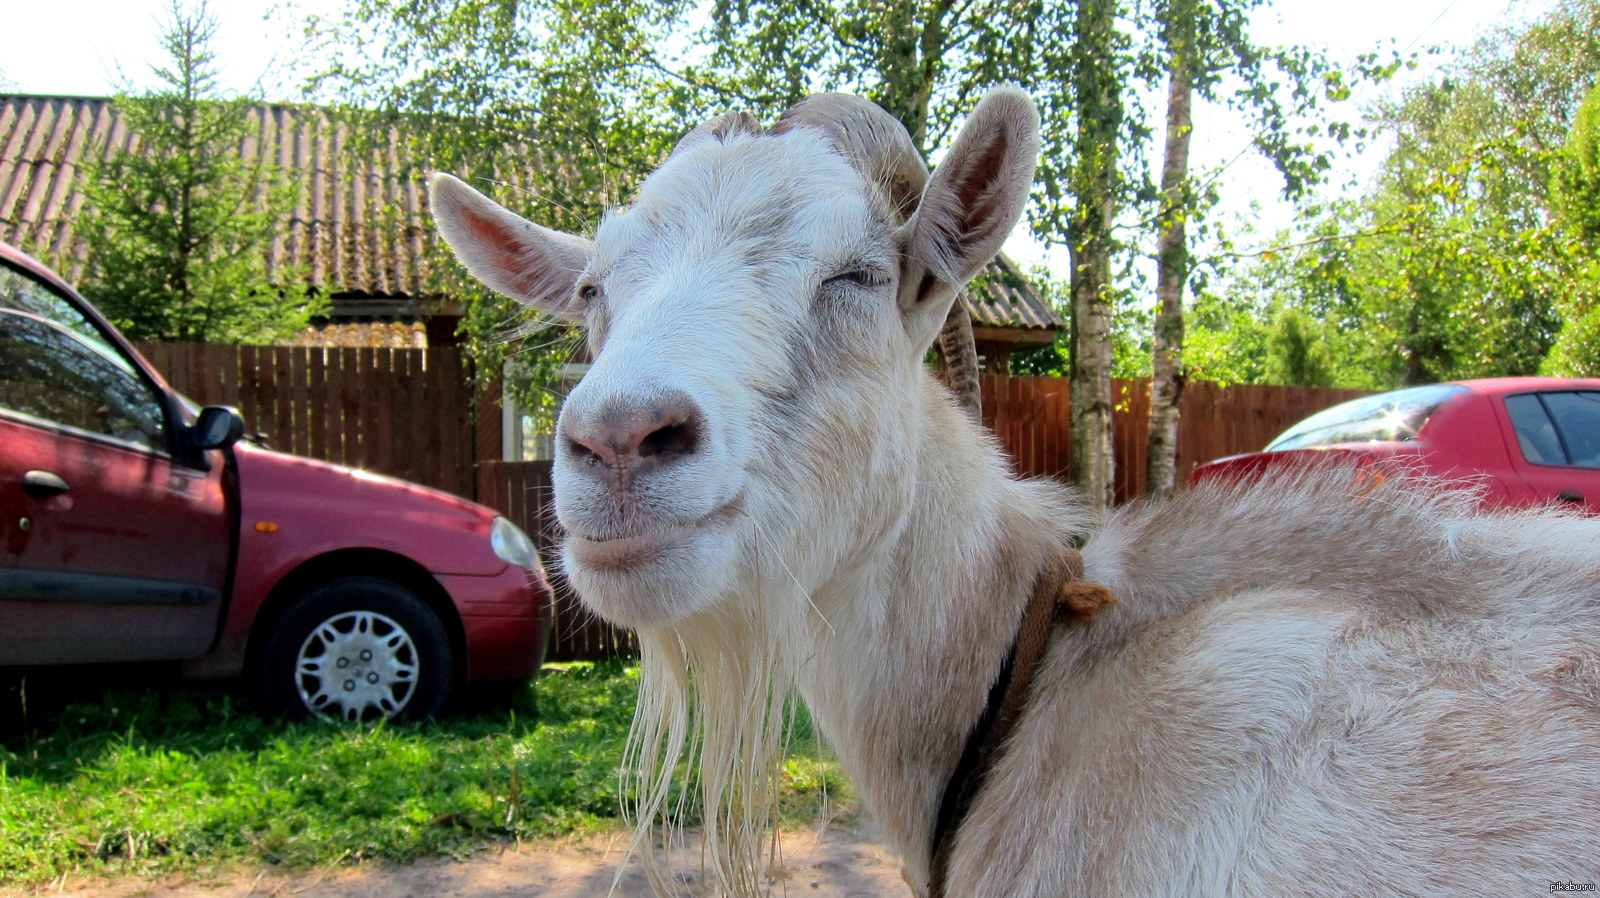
1572, 496
43, 483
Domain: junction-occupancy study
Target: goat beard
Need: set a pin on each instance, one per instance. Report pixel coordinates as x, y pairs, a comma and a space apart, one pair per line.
711, 690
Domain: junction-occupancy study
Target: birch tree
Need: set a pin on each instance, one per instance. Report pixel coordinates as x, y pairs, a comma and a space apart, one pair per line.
1096, 180
1172, 255
1207, 53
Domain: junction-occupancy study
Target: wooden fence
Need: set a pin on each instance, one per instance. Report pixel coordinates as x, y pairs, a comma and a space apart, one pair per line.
1030, 415
404, 412
411, 413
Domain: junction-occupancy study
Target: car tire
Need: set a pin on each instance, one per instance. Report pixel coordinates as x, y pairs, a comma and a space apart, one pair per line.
356, 649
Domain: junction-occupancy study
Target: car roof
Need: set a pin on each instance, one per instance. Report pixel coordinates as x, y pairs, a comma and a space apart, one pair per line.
20, 259
1499, 386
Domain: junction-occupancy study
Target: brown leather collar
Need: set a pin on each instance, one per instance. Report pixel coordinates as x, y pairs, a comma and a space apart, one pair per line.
1058, 592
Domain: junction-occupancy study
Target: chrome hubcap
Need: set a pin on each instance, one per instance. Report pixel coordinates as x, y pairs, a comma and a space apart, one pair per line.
357, 666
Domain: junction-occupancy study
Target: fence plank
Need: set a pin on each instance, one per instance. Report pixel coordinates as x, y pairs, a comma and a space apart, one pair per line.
299, 360
400, 412
316, 383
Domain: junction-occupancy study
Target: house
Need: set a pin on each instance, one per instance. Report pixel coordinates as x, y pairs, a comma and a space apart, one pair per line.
359, 227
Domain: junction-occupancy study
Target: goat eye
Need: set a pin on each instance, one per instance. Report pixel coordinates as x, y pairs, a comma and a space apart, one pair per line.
857, 278
588, 292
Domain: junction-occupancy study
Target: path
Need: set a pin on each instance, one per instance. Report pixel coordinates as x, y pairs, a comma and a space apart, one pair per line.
843, 863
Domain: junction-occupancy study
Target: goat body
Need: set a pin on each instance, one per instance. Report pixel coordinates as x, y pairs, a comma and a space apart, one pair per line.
1304, 686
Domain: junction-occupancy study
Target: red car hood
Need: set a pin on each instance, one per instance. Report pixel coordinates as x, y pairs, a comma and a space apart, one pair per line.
332, 506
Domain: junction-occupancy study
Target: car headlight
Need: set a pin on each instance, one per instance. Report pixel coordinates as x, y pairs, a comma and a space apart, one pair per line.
513, 546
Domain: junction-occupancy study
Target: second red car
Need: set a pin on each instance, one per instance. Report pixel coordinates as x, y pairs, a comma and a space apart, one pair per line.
1524, 441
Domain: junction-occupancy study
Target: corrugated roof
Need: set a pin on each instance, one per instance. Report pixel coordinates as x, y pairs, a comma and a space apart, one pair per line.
1002, 296
357, 225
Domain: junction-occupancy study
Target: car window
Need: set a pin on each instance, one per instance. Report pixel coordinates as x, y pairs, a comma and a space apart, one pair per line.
52, 373
1558, 427
24, 294
1396, 415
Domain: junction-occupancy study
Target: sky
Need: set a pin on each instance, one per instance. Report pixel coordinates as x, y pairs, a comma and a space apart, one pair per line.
114, 43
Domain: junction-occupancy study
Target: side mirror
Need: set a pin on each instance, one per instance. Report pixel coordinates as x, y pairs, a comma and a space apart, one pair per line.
218, 427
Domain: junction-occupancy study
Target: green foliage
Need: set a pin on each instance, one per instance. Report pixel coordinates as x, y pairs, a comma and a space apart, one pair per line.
127, 781
1576, 187
555, 108
178, 228
1298, 352
1575, 198
1225, 340
1473, 247
1577, 352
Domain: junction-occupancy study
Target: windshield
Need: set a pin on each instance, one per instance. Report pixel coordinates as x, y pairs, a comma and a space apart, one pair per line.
1397, 415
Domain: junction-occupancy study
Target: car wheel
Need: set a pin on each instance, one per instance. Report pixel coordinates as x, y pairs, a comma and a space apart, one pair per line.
356, 649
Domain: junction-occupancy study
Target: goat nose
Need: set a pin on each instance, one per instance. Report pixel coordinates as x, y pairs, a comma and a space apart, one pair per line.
625, 440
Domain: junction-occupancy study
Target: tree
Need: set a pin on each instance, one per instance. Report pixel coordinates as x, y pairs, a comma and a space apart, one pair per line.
1224, 339
1575, 195
178, 226
1097, 98
1576, 188
1205, 50
1456, 263
1297, 352
1172, 251
557, 106
602, 89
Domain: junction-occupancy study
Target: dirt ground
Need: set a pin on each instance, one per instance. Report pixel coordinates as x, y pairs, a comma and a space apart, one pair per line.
837, 862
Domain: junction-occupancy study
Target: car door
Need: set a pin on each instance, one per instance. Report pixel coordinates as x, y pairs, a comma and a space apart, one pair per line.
1558, 435
112, 550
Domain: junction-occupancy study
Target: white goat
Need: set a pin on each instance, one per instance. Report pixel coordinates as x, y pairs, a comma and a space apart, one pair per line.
1306, 688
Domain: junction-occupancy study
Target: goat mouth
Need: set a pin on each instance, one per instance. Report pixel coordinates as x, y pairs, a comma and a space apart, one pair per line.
621, 554
627, 552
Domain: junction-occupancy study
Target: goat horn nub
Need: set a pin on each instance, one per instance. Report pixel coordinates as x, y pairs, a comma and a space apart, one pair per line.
719, 129
871, 139
877, 145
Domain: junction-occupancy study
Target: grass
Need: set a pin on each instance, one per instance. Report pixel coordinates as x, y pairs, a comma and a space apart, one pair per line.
131, 781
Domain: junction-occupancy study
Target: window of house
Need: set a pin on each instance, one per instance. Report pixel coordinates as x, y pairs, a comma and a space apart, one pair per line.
530, 431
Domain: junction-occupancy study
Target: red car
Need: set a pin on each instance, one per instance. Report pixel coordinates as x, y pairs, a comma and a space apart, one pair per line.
1526, 440
136, 528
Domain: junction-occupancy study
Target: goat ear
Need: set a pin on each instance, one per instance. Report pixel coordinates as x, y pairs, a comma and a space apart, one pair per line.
970, 205
514, 256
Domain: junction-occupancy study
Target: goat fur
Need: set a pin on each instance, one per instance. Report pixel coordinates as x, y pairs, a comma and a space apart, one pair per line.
1312, 685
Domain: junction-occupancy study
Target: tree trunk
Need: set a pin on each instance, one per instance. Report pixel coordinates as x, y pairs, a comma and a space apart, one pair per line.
1093, 459
1099, 126
1172, 259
